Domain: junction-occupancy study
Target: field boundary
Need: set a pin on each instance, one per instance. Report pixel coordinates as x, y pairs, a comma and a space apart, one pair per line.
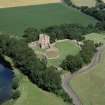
21, 3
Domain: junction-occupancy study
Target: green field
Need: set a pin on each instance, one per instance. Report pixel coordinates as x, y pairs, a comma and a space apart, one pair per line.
91, 86
65, 48
32, 95
96, 37
89, 3
16, 20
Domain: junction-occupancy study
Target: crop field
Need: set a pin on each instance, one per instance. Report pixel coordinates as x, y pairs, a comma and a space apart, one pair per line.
91, 86
96, 37
65, 48
89, 3
16, 20
15, 3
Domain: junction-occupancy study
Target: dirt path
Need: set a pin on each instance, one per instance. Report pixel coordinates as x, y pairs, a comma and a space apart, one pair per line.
66, 78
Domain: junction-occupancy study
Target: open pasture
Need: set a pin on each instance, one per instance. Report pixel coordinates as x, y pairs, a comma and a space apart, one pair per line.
89, 3
96, 37
91, 86
16, 20
15, 3
32, 95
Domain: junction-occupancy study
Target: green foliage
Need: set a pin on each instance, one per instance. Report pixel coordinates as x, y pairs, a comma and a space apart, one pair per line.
64, 95
31, 34
25, 60
52, 77
67, 31
72, 63
97, 12
15, 83
68, 2
88, 50
16, 94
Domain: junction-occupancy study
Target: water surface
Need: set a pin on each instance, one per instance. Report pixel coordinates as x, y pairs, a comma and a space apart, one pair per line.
6, 76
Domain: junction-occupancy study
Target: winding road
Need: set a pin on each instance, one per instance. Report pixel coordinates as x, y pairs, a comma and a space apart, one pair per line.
66, 78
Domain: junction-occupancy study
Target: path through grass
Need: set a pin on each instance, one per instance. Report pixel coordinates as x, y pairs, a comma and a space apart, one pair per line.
91, 86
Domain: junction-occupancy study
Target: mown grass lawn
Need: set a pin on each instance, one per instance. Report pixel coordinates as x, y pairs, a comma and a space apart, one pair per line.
65, 48
96, 37
91, 86
16, 20
89, 3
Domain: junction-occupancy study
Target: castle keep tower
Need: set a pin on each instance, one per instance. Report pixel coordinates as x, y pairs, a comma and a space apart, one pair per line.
44, 41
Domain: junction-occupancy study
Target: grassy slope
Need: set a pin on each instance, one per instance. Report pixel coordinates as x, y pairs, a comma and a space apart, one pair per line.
31, 94
65, 48
15, 20
96, 37
91, 86
89, 3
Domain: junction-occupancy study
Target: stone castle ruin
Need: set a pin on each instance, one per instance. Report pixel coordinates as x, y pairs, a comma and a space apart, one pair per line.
44, 41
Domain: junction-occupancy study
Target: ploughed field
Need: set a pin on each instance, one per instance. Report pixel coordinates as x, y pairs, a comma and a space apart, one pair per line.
16, 20
15, 3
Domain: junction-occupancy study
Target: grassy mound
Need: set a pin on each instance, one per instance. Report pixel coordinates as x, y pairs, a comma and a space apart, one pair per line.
52, 53
91, 86
89, 3
16, 20
65, 48
96, 37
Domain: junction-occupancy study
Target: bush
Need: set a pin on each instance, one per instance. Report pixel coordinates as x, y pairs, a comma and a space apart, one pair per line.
72, 63
16, 94
64, 95
15, 83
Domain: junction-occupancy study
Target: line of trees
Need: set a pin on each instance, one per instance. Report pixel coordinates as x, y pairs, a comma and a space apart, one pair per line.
47, 78
74, 63
57, 32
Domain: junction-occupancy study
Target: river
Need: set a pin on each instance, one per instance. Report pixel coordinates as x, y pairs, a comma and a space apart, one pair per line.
6, 76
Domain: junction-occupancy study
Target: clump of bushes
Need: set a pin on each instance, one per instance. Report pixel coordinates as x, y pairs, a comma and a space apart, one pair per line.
15, 92
74, 63
24, 58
